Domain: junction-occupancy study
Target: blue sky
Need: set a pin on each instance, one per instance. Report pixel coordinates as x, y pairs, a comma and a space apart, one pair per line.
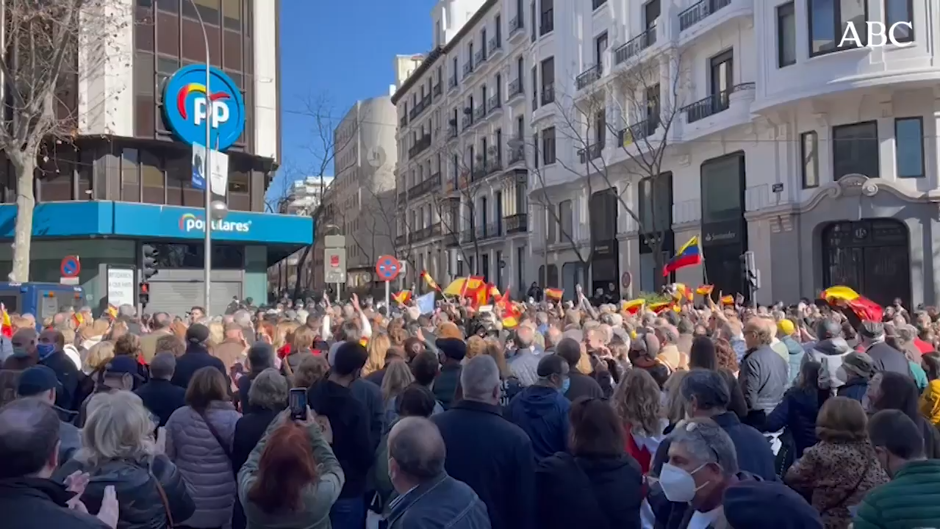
339, 51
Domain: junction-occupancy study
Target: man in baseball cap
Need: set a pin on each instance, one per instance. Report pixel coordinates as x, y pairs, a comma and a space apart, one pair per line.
41, 384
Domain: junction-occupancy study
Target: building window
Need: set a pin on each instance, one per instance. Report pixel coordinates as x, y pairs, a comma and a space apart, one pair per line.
900, 12
786, 35
130, 175
855, 150
809, 151
551, 224
152, 178
535, 149
909, 147
828, 20
548, 81
548, 146
651, 12
566, 219
547, 20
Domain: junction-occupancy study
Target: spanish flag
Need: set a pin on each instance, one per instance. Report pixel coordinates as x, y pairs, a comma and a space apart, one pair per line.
494, 292
463, 286
77, 319
682, 292
554, 294
689, 255
727, 300
705, 290
6, 328
113, 312
508, 311
658, 308
429, 281
633, 306
402, 297
864, 308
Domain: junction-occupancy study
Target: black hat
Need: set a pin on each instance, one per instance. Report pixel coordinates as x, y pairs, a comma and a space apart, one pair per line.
197, 333
453, 348
36, 380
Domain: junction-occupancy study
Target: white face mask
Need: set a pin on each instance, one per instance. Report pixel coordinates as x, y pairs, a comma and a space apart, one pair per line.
678, 485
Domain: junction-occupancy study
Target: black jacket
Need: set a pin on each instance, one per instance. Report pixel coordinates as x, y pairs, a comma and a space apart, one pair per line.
34, 503
595, 492
797, 412
68, 376
195, 358
162, 398
764, 378
887, 358
140, 505
248, 431
583, 386
370, 396
352, 440
445, 385
494, 457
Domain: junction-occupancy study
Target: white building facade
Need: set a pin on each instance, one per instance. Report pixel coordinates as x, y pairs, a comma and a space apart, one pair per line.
742, 122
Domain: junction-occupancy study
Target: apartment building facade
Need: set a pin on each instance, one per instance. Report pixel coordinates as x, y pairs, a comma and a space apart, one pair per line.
747, 123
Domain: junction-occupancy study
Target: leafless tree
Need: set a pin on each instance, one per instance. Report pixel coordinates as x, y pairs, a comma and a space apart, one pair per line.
639, 113
376, 223
40, 73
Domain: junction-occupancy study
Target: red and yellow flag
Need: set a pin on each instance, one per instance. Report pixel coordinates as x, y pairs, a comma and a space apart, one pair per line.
6, 328
705, 290
658, 308
508, 311
113, 312
403, 297
554, 294
727, 300
429, 281
864, 308
633, 306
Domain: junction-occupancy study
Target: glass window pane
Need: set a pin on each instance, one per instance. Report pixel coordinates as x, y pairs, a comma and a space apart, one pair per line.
168, 34
232, 50
786, 34
855, 150
209, 9
170, 6
822, 25
721, 190
194, 47
232, 13
239, 196
56, 173
215, 45
130, 177
909, 139
853, 11
810, 153
145, 113
151, 175
86, 166
143, 74
900, 11
143, 29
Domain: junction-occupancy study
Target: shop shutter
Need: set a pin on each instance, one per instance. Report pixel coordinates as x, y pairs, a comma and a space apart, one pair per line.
177, 297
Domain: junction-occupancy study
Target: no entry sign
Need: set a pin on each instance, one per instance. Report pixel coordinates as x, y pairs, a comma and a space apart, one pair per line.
387, 268
70, 266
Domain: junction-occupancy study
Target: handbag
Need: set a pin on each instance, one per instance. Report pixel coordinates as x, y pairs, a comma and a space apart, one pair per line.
164, 499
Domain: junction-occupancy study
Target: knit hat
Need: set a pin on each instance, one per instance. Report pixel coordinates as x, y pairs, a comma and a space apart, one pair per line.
768, 505
859, 363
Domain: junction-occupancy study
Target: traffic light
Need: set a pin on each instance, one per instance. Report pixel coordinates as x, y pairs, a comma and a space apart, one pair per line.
750, 275
148, 263
143, 294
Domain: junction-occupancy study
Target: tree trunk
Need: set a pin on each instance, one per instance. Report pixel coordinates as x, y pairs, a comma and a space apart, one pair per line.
25, 203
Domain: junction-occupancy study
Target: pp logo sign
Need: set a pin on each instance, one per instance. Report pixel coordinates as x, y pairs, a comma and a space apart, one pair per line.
190, 105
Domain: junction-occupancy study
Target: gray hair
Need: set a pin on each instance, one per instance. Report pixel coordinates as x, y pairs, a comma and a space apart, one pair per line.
269, 390
127, 311
302, 316
707, 443
416, 445
242, 318
118, 427
668, 333
709, 389
162, 366
828, 328
479, 378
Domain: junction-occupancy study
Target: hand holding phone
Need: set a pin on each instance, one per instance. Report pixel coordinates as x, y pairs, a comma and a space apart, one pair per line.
298, 404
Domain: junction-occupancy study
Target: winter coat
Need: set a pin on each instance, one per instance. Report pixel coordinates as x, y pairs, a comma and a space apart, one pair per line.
494, 457
854, 389
764, 379
353, 445
205, 464
837, 475
139, 501
930, 402
795, 355
908, 501
542, 413
35, 503
445, 385
68, 376
195, 358
582, 386
248, 431
442, 502
316, 499
162, 398
797, 413
590, 491
887, 358
830, 354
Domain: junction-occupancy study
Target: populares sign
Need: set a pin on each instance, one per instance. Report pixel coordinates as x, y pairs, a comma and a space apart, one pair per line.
189, 106
190, 222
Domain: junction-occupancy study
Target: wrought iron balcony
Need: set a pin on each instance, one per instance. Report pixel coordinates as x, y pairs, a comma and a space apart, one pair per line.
639, 131
634, 46
515, 88
422, 188
548, 93
450, 240
467, 67
478, 171
587, 77
493, 166
420, 146
699, 12
422, 105
467, 235
479, 57
515, 25
713, 104
479, 112
516, 155
489, 231
401, 240
403, 121
591, 152
434, 230
467, 121
494, 104
452, 82
496, 44
438, 89
451, 131
518, 223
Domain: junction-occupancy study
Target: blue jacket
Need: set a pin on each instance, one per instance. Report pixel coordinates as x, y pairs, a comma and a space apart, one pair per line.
195, 358
542, 413
440, 503
797, 412
796, 356
854, 389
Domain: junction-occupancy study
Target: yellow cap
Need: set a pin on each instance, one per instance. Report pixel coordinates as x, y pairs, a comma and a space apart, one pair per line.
785, 327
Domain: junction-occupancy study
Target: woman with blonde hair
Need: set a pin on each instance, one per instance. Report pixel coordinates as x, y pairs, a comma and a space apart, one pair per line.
301, 345
179, 329
216, 334
118, 450
98, 357
475, 347
397, 377
93, 333
637, 402
378, 347
311, 370
673, 404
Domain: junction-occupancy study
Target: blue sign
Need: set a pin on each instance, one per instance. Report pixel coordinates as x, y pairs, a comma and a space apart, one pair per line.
189, 108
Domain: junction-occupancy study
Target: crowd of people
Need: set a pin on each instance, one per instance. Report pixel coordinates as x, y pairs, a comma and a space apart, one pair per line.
580, 415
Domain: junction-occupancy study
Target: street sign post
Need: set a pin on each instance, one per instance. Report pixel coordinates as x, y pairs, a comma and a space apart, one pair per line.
70, 267
335, 269
387, 269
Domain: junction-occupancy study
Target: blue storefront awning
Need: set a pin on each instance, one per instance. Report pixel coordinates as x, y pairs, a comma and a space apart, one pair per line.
148, 221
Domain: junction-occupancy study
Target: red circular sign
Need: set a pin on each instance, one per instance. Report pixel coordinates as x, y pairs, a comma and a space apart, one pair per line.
70, 266
387, 268
334, 261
